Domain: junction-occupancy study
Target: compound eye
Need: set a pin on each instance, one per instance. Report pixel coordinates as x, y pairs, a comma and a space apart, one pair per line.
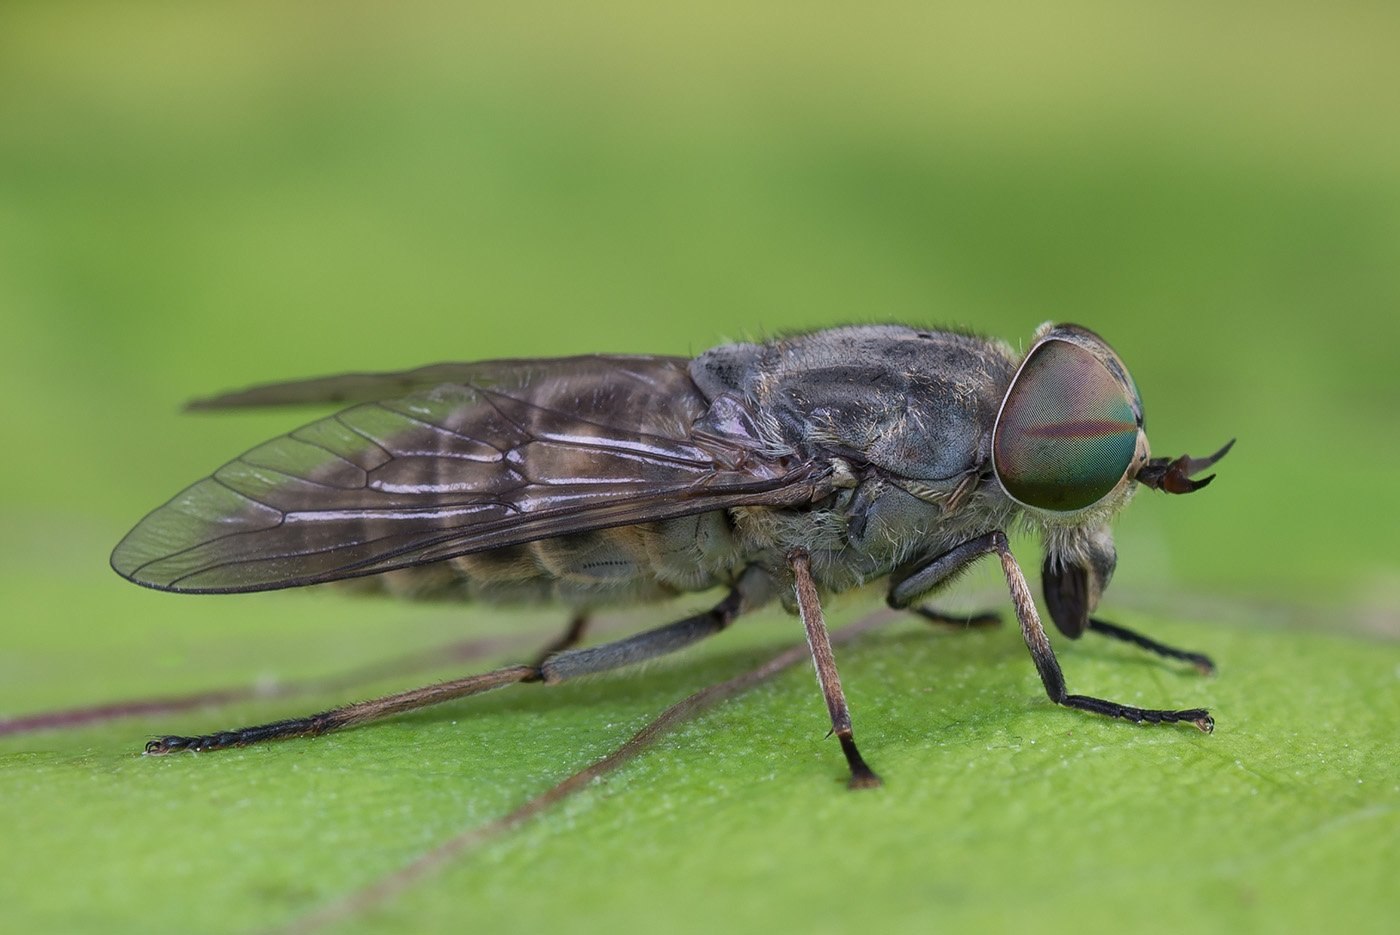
1067, 431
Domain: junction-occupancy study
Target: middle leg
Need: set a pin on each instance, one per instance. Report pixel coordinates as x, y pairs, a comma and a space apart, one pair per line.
810, 608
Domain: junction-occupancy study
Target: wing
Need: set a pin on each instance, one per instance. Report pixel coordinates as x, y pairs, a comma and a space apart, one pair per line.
346, 388
510, 452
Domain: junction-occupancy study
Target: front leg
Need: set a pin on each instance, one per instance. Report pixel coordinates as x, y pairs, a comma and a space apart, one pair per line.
909, 585
920, 579
1203, 663
957, 621
1071, 585
912, 582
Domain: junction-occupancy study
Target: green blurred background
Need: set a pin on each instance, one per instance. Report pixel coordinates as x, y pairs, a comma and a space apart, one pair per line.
195, 197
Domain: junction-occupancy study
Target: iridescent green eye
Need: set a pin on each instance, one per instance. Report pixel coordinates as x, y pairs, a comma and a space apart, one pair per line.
1067, 430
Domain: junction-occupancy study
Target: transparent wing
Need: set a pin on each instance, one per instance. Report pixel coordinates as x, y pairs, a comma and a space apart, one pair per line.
513, 452
346, 388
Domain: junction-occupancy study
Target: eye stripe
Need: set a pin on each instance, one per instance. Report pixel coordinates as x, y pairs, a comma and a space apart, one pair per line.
1085, 428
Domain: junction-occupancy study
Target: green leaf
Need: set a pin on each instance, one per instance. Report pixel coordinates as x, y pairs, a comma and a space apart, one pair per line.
999, 809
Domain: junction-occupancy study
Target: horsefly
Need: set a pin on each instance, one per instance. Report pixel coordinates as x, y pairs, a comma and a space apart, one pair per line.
807, 465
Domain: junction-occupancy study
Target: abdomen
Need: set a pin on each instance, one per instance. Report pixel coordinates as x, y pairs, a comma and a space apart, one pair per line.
646, 562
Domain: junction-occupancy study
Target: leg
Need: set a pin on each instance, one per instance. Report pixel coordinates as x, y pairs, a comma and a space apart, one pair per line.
557, 668
1049, 666
566, 640
914, 582
809, 605
960, 621
1203, 663
644, 646
909, 584
346, 716
1072, 586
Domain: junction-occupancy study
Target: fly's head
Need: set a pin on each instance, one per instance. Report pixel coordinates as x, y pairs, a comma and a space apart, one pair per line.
1069, 444
1069, 448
